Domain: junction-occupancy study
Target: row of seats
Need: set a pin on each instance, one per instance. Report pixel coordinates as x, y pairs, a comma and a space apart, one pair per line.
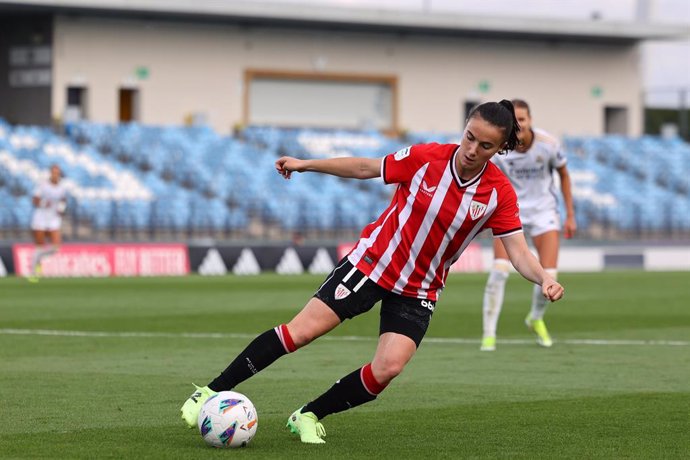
631, 184
190, 178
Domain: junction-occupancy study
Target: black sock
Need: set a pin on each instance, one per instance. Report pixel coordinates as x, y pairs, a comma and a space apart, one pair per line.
258, 355
347, 393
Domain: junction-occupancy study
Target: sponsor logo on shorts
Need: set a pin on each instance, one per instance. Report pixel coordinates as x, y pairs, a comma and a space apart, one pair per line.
428, 304
341, 292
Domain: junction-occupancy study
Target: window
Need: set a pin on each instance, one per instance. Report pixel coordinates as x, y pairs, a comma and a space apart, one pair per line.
318, 100
616, 120
469, 105
76, 104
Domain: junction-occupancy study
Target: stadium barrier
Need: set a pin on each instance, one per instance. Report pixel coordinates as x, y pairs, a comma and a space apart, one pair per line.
210, 260
101, 260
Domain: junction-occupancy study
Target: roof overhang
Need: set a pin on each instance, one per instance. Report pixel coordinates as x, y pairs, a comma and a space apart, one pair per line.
369, 19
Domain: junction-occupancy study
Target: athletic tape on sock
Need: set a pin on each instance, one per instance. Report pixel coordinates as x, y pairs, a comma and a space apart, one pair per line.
285, 338
369, 381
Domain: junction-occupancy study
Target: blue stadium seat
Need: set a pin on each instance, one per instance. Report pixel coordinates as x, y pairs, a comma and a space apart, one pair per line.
190, 178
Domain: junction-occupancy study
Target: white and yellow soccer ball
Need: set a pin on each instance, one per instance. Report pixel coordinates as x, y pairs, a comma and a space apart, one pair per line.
227, 419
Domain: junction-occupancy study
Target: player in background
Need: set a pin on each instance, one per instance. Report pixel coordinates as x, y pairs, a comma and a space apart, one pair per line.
530, 168
445, 195
50, 202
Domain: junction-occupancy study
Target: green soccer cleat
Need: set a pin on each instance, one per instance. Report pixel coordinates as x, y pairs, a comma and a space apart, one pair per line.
539, 328
488, 344
35, 275
307, 426
192, 406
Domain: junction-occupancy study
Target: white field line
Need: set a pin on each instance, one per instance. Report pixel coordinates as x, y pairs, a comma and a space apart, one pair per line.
350, 338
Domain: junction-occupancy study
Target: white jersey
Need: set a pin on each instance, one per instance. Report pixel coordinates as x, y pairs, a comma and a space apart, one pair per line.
47, 215
51, 195
531, 173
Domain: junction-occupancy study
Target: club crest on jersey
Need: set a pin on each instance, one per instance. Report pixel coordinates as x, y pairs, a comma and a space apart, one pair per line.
402, 153
341, 292
477, 209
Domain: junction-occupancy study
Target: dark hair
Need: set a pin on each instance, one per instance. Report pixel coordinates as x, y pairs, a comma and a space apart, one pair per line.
502, 115
521, 104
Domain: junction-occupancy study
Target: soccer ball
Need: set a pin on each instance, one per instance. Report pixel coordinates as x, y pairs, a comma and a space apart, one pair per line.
227, 419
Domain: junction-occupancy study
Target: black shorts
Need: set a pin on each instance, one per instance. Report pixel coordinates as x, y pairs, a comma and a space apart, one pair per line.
348, 292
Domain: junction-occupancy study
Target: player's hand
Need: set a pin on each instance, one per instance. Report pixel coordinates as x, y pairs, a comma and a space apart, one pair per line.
552, 290
285, 166
570, 227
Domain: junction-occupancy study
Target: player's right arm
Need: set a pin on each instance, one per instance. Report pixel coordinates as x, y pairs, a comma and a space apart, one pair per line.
350, 167
569, 227
36, 198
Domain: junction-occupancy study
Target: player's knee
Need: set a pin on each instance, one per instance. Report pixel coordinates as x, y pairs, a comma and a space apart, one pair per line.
387, 368
499, 272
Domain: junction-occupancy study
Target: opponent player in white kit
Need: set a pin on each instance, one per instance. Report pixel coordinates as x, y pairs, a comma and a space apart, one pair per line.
50, 201
445, 195
530, 169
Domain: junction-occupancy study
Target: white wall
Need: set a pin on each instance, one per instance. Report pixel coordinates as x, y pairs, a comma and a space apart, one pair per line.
200, 68
593, 258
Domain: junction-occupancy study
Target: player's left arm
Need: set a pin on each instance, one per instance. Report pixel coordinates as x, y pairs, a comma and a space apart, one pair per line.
570, 226
528, 266
62, 206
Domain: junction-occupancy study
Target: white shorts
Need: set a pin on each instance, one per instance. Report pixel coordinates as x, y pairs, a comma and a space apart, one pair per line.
46, 220
540, 222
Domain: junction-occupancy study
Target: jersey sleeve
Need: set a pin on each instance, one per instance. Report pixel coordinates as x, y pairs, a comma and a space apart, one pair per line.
558, 157
506, 219
401, 166
499, 161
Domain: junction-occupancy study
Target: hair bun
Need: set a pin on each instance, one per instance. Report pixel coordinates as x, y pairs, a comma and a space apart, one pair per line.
508, 105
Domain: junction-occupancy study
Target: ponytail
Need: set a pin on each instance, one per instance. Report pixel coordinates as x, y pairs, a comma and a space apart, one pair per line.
502, 115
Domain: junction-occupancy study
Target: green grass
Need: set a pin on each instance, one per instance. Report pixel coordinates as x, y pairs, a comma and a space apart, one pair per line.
119, 396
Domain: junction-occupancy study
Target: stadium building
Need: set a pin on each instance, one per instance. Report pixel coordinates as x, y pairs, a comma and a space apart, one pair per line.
233, 64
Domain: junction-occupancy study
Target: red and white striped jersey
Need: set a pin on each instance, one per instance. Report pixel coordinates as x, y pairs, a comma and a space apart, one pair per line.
432, 218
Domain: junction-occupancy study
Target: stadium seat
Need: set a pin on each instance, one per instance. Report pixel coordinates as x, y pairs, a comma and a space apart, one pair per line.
192, 179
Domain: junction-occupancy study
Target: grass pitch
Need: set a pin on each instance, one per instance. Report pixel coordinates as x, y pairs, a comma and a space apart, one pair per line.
98, 368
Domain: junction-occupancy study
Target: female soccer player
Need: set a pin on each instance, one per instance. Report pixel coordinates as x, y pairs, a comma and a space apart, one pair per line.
445, 195
50, 201
530, 169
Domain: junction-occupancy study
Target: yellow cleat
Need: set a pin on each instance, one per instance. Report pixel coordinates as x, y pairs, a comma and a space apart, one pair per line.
192, 406
307, 426
539, 328
488, 344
